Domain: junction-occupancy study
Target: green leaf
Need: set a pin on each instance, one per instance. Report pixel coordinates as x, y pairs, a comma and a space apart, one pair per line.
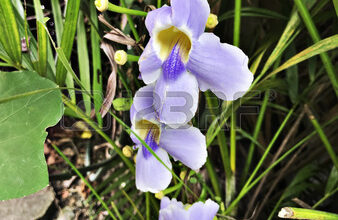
67, 40
292, 76
122, 104
332, 182
327, 44
57, 20
335, 4
9, 37
96, 63
83, 59
25, 113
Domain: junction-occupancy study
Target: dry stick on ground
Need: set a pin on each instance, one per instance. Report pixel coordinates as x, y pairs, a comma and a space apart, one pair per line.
277, 154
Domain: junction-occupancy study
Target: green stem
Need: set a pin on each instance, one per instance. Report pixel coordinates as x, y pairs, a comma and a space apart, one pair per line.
222, 146
147, 205
159, 3
300, 213
303, 11
324, 198
123, 10
132, 203
133, 58
244, 191
91, 123
269, 147
213, 178
322, 136
130, 21
233, 142
255, 135
247, 185
84, 180
237, 22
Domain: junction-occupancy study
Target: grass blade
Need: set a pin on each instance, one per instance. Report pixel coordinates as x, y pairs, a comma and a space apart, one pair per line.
57, 20
84, 180
83, 60
322, 136
67, 40
327, 44
10, 37
96, 62
299, 213
42, 39
316, 38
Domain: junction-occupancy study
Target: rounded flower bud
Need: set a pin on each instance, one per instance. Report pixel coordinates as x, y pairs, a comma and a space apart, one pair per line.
101, 5
159, 195
212, 21
121, 57
127, 151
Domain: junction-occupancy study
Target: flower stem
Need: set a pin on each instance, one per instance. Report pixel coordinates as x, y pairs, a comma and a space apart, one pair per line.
322, 136
130, 21
237, 22
213, 178
300, 213
133, 58
124, 10
159, 3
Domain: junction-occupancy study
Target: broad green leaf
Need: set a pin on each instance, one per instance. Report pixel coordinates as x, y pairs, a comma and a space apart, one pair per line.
9, 37
28, 105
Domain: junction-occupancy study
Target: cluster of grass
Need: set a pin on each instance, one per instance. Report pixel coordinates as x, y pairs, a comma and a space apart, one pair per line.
274, 147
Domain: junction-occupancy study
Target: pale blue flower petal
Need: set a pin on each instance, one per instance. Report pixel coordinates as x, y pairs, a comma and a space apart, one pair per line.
158, 18
222, 68
150, 64
165, 202
172, 210
190, 13
206, 211
187, 145
178, 99
143, 105
151, 175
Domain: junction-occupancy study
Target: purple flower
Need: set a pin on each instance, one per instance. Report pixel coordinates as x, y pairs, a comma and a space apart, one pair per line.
172, 210
186, 144
181, 59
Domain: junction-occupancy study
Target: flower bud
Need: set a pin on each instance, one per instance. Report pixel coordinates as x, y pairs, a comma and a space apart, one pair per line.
86, 135
121, 57
183, 174
212, 21
101, 5
127, 151
159, 195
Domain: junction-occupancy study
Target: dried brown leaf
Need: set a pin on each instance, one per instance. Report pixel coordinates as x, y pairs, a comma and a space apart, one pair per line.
116, 35
111, 84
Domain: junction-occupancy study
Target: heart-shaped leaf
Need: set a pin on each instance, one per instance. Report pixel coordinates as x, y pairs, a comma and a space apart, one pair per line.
28, 105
